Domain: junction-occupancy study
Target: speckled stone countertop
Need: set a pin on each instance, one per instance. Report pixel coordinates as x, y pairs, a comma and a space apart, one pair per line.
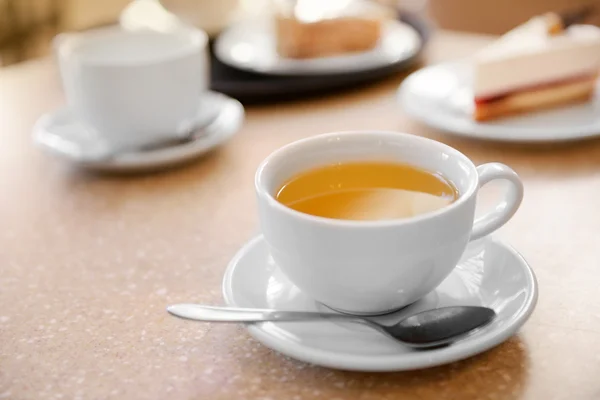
88, 264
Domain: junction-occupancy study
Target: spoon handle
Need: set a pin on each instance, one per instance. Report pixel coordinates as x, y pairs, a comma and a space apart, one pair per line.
229, 314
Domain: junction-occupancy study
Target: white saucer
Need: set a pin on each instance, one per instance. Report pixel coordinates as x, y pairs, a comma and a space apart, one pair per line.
441, 97
494, 275
60, 133
250, 45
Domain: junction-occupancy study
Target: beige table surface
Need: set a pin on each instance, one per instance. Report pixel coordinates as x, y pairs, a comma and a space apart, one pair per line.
88, 264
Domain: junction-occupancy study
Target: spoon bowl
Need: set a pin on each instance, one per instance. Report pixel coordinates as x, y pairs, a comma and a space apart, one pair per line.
428, 329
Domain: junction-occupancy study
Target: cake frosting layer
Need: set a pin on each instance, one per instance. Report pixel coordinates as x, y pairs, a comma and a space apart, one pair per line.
529, 55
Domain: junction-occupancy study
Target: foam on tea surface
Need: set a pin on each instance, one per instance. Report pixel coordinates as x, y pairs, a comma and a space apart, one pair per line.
367, 191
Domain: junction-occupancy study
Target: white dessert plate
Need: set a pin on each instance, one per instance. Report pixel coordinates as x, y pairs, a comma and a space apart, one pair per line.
440, 96
62, 134
250, 45
492, 274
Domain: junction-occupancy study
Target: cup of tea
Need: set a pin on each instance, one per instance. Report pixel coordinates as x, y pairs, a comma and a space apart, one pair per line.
134, 87
367, 222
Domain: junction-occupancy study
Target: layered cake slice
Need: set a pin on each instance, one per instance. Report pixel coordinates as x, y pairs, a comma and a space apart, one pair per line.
321, 28
535, 66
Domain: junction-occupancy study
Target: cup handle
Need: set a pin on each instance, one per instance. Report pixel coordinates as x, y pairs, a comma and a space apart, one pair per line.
503, 211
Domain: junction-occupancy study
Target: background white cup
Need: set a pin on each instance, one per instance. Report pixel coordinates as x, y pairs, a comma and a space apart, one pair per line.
373, 267
134, 87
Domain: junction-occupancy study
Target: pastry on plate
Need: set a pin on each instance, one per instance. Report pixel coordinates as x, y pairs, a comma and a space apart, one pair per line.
537, 65
321, 28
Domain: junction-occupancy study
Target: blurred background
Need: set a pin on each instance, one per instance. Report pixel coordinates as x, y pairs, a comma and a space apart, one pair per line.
27, 26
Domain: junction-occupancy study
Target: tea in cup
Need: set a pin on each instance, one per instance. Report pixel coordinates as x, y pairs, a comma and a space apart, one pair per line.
367, 222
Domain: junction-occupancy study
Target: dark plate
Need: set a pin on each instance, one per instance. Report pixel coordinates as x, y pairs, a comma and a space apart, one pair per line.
250, 87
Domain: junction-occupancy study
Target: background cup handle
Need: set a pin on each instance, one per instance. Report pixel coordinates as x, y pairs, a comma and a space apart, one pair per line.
503, 211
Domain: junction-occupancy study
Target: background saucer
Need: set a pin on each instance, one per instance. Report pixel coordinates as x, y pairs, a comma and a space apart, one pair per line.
248, 86
250, 45
495, 276
61, 134
440, 96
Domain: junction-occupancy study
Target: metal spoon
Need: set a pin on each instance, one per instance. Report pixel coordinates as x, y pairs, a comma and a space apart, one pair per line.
431, 328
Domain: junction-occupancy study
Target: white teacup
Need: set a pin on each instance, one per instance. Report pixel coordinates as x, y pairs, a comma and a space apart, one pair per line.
374, 267
134, 87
